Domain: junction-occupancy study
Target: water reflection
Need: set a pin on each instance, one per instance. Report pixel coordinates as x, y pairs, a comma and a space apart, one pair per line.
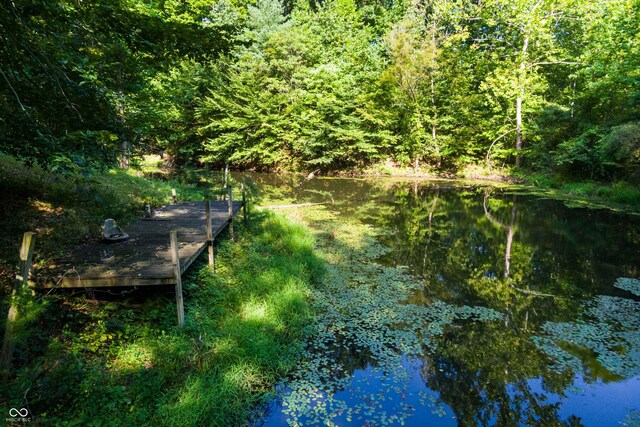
401, 348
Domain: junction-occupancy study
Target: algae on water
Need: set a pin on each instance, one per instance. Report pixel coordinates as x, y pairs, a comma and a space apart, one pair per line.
364, 322
628, 284
608, 327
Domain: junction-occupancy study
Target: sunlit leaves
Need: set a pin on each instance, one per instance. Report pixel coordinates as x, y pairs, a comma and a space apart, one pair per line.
301, 95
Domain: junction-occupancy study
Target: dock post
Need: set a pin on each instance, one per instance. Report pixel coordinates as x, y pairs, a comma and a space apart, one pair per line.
225, 181
221, 196
175, 256
22, 279
230, 213
244, 203
210, 235
174, 195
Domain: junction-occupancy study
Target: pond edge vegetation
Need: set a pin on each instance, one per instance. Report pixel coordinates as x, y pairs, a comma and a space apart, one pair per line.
90, 357
79, 355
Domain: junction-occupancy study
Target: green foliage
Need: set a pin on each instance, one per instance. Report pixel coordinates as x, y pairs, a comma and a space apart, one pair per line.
620, 149
324, 85
75, 75
618, 195
94, 362
581, 153
49, 103
67, 206
166, 110
300, 95
437, 85
602, 153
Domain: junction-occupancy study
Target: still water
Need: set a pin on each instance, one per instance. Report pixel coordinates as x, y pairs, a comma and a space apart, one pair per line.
452, 304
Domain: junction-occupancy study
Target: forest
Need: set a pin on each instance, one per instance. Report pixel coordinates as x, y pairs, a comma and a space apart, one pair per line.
551, 86
339, 301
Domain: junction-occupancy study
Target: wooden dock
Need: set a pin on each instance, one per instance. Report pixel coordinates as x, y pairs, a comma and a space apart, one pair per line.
146, 257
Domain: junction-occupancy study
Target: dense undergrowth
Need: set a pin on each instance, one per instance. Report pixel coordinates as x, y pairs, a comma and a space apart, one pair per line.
90, 357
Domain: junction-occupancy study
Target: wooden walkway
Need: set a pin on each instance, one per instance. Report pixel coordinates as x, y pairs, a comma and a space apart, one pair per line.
145, 258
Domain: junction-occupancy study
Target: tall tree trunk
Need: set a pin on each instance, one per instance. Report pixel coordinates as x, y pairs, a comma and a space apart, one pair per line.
434, 117
124, 158
518, 129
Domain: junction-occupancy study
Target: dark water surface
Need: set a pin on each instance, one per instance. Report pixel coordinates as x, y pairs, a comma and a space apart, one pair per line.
551, 330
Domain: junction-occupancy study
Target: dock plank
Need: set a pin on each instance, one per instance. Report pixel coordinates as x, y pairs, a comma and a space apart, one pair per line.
145, 258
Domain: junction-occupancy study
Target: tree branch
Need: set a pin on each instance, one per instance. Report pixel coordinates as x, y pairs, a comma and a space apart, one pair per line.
496, 140
554, 63
15, 93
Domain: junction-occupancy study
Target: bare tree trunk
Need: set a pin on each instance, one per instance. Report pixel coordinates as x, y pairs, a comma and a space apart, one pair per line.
124, 158
518, 129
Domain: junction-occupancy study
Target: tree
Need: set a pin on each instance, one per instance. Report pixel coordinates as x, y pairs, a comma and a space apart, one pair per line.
53, 108
416, 45
301, 95
607, 90
523, 36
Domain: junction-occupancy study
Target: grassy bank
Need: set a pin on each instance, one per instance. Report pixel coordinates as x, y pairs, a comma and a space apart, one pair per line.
89, 357
619, 195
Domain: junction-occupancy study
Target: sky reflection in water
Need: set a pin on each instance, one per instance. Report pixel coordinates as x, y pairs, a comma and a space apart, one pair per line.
539, 264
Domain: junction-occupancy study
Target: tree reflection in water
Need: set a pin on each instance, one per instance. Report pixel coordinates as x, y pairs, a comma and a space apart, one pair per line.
420, 271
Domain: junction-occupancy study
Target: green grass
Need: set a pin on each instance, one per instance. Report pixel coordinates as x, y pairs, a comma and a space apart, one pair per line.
87, 357
619, 195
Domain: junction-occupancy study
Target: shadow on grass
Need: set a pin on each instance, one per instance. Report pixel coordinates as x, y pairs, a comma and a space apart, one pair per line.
109, 362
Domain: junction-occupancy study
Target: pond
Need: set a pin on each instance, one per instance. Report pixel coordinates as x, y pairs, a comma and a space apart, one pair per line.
448, 303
